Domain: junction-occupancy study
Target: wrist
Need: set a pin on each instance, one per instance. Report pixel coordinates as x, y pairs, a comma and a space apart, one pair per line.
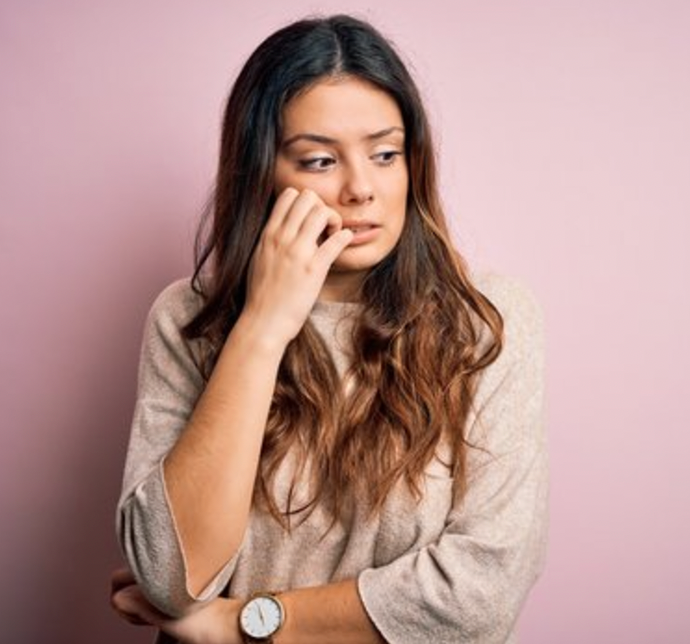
262, 618
230, 619
258, 337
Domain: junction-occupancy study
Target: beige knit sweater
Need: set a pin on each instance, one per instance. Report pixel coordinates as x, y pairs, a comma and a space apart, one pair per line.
430, 572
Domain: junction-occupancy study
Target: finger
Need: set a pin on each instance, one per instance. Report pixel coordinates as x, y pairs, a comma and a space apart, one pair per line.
132, 619
120, 578
131, 604
328, 251
123, 608
280, 209
307, 202
319, 224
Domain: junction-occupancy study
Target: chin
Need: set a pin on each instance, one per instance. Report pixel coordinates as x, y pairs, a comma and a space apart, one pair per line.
355, 258
342, 265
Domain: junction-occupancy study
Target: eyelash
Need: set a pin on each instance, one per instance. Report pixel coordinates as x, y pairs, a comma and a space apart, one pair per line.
312, 165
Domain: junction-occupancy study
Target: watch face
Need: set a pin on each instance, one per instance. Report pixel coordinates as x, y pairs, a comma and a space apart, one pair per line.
261, 617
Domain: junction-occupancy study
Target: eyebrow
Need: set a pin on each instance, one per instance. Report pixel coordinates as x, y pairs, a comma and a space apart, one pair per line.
320, 138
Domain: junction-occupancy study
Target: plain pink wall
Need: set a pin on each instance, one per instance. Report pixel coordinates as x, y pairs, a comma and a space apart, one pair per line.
564, 133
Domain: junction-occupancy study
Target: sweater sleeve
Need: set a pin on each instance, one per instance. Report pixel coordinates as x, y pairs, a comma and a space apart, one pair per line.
169, 384
470, 584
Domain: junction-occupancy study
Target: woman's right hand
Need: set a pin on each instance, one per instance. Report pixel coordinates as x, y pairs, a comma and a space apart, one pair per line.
291, 262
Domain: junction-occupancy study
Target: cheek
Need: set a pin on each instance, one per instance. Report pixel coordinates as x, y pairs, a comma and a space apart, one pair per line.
281, 178
398, 201
301, 181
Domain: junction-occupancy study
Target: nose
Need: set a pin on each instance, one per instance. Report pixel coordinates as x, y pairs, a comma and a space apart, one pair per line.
357, 186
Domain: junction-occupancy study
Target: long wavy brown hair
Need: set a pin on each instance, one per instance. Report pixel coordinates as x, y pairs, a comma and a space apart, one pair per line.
424, 332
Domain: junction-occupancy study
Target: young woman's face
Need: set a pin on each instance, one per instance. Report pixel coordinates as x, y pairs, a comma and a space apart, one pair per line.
344, 139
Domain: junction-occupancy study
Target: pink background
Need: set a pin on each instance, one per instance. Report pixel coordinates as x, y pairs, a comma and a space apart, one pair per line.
564, 132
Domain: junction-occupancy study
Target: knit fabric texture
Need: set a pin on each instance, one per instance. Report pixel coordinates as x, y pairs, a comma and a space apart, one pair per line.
435, 570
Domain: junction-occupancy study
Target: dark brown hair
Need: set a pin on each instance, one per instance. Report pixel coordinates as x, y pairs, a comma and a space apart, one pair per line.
424, 332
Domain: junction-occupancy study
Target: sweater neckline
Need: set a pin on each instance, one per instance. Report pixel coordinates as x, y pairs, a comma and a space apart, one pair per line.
335, 310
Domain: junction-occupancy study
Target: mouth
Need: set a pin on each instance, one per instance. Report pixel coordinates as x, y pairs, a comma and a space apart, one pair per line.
362, 232
359, 228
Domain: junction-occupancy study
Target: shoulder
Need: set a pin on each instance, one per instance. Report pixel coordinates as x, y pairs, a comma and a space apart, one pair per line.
176, 304
521, 312
521, 362
512, 297
164, 342
174, 307
509, 397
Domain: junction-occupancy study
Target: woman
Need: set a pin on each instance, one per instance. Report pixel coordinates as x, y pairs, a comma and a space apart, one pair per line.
337, 436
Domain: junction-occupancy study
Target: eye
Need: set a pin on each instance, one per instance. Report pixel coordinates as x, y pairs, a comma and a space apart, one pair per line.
387, 157
316, 164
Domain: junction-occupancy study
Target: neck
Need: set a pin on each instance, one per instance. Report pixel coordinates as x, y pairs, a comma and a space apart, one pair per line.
341, 287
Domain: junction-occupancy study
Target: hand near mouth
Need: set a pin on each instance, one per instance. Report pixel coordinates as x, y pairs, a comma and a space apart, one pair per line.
301, 240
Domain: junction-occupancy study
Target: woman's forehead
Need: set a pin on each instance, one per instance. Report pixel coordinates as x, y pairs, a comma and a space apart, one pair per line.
341, 107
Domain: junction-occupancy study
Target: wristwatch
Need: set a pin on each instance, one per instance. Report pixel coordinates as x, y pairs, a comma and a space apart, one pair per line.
261, 618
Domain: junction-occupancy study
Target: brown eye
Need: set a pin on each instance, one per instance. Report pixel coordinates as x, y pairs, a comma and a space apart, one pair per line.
316, 164
388, 157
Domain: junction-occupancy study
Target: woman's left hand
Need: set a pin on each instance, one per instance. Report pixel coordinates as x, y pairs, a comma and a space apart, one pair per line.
212, 623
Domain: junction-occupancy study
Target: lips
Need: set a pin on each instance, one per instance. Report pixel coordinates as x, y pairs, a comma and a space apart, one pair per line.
364, 231
359, 228
355, 225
